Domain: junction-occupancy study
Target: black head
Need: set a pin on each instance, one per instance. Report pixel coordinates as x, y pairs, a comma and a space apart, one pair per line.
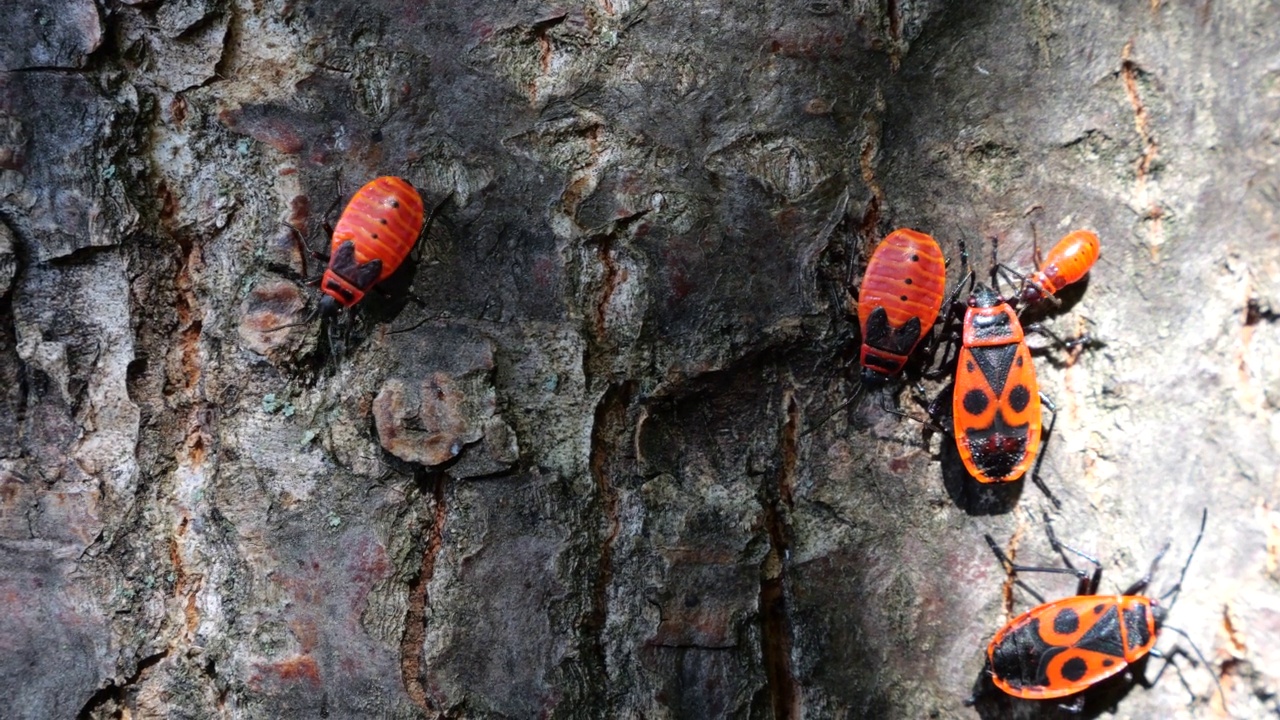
873, 379
329, 306
1159, 613
984, 297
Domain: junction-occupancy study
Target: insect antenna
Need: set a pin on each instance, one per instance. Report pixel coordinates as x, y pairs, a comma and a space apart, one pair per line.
1036, 257
966, 270
419, 324
1177, 587
1203, 661
311, 316
852, 399
995, 262
1171, 596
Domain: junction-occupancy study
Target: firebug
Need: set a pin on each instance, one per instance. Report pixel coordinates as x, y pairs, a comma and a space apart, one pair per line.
376, 231
898, 301
373, 236
1064, 647
1068, 262
996, 400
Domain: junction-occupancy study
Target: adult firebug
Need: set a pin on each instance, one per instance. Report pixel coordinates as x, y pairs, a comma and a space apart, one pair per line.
898, 301
995, 401
1064, 647
1068, 262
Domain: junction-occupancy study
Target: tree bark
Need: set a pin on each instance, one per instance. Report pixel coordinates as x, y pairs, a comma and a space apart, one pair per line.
589, 458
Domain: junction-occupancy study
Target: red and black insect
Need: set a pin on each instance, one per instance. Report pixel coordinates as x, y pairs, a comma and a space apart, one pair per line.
898, 301
1061, 648
996, 400
373, 236
376, 231
1068, 262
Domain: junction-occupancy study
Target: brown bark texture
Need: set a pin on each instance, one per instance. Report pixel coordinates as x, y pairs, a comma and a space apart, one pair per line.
588, 457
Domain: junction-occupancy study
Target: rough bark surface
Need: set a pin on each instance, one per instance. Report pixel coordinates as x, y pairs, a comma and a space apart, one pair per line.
599, 468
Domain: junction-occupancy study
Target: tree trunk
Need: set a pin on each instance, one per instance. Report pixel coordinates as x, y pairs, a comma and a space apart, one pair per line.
589, 458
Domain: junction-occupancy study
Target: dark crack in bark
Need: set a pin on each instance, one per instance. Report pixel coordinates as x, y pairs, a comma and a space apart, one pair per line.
776, 635
113, 693
608, 437
415, 615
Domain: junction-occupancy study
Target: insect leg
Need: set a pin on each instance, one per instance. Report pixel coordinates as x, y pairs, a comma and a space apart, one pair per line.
416, 253
1075, 707
1083, 341
953, 335
950, 353
1044, 442
938, 407
1013, 569
885, 406
385, 293
1013, 277
304, 249
1140, 585
1088, 584
304, 321
935, 334
1167, 656
419, 324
